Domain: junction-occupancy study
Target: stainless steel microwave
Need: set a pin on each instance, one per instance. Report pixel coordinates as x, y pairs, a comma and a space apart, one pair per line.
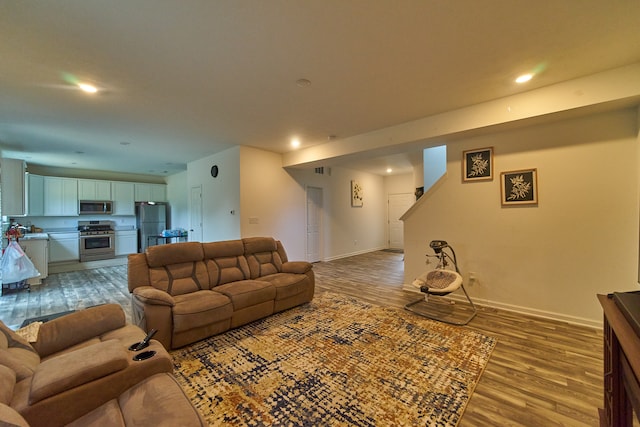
95, 207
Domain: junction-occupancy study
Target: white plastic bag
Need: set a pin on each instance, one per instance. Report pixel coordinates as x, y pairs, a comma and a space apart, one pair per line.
16, 265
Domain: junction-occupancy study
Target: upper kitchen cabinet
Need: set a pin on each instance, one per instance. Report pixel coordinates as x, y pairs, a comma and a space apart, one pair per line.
123, 200
93, 189
35, 191
60, 196
150, 192
12, 185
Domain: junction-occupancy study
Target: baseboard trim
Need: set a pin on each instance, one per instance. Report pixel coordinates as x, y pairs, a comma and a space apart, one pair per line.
574, 320
364, 251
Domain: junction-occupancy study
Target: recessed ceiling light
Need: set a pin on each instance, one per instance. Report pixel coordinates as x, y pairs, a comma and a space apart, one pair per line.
303, 82
524, 78
389, 170
295, 142
88, 88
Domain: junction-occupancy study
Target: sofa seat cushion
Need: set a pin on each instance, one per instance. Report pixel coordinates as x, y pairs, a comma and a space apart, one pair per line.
287, 284
199, 309
247, 293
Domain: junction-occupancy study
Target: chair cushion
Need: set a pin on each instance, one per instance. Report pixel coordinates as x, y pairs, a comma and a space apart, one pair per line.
17, 354
247, 293
73, 369
11, 417
200, 309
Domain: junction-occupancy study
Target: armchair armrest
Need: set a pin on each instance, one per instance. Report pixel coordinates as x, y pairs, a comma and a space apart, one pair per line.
153, 296
298, 267
75, 368
66, 331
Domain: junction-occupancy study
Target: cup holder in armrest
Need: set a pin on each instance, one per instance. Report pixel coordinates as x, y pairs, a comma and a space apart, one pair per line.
134, 346
144, 355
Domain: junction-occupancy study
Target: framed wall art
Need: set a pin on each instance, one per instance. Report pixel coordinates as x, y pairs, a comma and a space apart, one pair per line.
519, 187
356, 194
477, 165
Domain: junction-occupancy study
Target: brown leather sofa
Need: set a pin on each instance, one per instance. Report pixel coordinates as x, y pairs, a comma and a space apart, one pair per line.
190, 291
80, 372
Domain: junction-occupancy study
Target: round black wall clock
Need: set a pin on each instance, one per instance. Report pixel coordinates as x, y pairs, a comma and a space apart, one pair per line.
214, 171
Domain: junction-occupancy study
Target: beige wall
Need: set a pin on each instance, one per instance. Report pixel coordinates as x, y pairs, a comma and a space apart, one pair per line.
347, 230
272, 202
549, 260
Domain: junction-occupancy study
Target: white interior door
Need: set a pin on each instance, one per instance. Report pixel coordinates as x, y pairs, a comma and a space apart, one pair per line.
314, 224
398, 204
195, 214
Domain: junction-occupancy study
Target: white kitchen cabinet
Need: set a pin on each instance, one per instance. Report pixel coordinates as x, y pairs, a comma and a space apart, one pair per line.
150, 192
64, 247
38, 252
126, 242
12, 183
94, 189
60, 196
35, 191
123, 200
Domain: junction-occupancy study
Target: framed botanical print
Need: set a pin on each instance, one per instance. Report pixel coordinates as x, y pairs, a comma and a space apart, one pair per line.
356, 194
519, 187
477, 165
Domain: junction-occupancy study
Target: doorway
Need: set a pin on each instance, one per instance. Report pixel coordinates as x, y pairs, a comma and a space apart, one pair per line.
398, 204
314, 224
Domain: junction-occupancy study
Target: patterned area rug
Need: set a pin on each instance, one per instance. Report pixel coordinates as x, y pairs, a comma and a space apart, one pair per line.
335, 361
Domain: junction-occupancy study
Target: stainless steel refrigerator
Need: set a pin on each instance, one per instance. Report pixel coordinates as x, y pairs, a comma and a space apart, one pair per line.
151, 219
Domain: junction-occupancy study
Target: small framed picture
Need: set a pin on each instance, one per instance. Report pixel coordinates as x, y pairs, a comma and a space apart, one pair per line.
477, 165
519, 187
356, 194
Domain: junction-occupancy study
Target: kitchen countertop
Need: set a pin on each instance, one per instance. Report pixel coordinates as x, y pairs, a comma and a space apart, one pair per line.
35, 236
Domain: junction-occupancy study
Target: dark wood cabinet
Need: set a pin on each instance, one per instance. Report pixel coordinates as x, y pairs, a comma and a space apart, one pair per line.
621, 367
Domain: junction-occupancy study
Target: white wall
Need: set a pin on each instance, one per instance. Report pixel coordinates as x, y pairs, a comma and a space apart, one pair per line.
552, 259
178, 196
220, 196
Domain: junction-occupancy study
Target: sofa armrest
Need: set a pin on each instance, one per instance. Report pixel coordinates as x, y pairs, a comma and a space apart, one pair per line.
153, 296
75, 368
298, 267
66, 331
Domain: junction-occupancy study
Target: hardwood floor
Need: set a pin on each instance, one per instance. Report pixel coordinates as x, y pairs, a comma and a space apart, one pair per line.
541, 373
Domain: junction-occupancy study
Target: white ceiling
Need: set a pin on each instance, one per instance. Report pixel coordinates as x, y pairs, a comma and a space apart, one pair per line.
181, 80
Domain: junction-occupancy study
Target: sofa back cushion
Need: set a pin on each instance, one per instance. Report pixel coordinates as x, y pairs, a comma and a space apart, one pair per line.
177, 268
262, 256
7, 383
17, 354
225, 262
179, 279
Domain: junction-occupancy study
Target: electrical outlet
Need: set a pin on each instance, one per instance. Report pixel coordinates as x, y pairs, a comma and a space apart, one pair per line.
473, 278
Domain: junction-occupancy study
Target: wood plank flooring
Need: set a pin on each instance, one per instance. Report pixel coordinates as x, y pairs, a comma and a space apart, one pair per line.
541, 373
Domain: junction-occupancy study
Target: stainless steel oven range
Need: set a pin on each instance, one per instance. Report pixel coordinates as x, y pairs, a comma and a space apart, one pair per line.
97, 240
